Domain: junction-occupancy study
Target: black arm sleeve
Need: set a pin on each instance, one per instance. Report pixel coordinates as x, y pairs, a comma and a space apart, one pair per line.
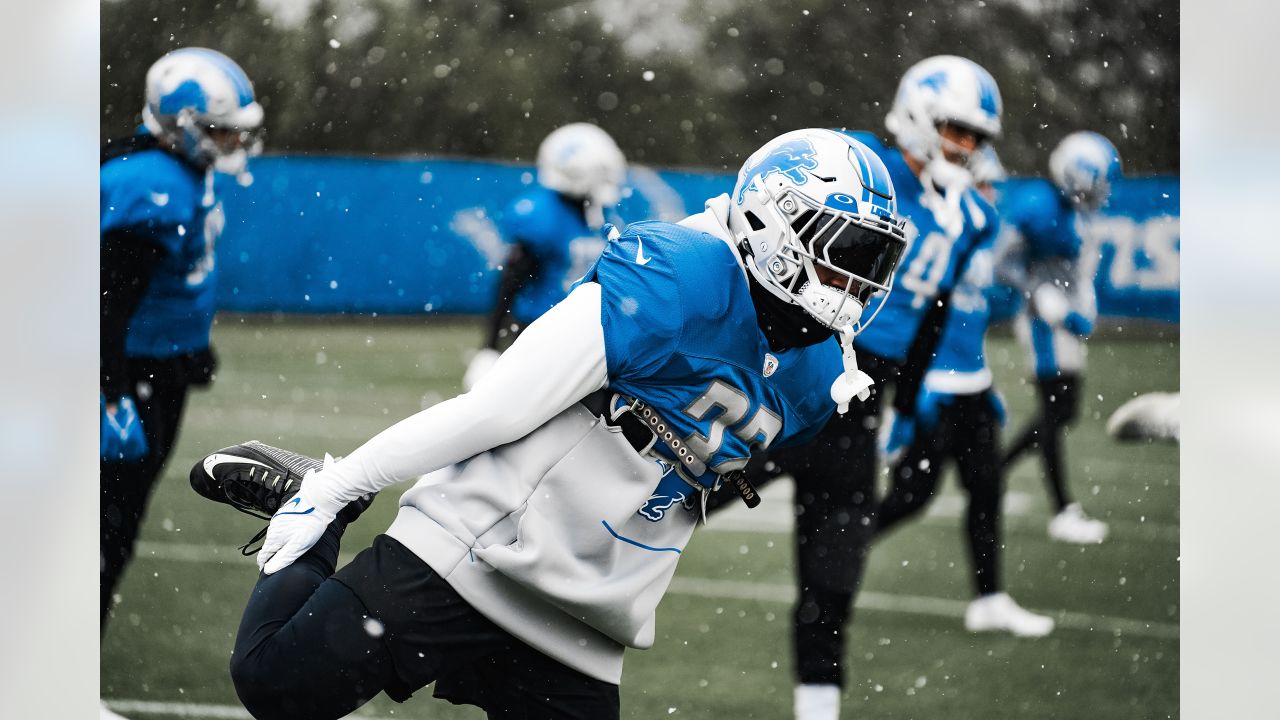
520, 268
920, 356
129, 259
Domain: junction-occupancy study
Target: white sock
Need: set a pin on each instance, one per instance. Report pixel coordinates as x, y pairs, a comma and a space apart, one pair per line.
817, 702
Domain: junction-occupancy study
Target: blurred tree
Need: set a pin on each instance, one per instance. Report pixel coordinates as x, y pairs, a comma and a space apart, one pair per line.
677, 82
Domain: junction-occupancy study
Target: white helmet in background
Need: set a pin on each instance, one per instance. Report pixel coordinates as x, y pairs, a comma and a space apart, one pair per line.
582, 161
202, 103
985, 165
1083, 166
812, 205
986, 168
937, 90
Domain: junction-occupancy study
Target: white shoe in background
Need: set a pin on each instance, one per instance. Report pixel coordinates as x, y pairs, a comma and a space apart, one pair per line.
999, 613
106, 714
817, 702
1073, 526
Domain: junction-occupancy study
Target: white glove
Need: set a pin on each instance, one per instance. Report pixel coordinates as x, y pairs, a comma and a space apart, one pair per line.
1051, 303
480, 366
297, 525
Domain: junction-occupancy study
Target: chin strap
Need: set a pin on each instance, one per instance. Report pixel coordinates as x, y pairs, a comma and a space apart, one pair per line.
852, 382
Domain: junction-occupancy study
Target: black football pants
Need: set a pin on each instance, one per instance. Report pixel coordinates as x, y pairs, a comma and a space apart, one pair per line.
1059, 405
314, 644
968, 432
124, 488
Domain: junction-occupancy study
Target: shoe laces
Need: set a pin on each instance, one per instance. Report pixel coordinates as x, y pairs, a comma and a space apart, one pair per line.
247, 495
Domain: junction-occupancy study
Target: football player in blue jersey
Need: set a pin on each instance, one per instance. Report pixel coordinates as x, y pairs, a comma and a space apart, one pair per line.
554, 499
958, 416
1042, 253
160, 219
554, 232
946, 107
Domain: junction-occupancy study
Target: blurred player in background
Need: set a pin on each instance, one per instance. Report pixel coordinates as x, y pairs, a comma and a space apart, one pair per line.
160, 220
958, 417
1042, 254
554, 232
563, 488
946, 108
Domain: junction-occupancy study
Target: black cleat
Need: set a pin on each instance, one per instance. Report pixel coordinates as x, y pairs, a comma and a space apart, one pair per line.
257, 479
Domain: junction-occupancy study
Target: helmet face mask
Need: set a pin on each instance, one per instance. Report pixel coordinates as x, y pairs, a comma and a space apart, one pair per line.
201, 104
826, 244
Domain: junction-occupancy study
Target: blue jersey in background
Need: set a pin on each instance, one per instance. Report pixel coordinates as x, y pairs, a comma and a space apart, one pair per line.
960, 363
551, 228
1044, 219
1043, 244
935, 249
163, 199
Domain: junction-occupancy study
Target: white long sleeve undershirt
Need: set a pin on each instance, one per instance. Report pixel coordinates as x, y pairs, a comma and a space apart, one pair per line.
556, 361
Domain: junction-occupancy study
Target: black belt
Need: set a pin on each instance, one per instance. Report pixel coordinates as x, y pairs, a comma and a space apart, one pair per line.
643, 427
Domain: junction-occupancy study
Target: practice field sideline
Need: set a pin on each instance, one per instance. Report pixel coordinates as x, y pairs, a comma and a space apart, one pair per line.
723, 641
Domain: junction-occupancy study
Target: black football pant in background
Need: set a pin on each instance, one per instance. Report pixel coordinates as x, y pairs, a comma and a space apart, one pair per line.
314, 644
968, 432
835, 506
1059, 405
160, 389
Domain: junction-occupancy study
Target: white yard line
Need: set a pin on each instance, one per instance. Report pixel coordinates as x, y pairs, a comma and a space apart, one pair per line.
775, 515
915, 605
760, 592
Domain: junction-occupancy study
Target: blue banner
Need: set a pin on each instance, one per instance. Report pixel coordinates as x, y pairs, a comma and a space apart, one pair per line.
360, 235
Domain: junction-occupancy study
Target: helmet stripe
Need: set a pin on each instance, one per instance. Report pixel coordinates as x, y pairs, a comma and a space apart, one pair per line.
875, 176
239, 80
877, 188
988, 93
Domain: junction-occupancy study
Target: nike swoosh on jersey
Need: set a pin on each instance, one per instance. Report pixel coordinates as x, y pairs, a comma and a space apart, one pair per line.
640, 258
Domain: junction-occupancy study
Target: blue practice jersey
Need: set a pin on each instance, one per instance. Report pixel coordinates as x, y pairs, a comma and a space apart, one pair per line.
681, 334
930, 263
159, 197
553, 230
973, 302
1043, 218
1044, 243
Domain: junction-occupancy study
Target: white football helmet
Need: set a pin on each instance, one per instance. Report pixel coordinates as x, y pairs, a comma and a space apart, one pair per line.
938, 90
202, 103
581, 161
1083, 166
986, 169
815, 209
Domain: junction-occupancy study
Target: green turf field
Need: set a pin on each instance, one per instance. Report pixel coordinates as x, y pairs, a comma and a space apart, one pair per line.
723, 640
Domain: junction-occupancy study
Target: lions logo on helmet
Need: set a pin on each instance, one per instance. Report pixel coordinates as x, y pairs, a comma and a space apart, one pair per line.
790, 159
1083, 166
201, 103
814, 211
942, 89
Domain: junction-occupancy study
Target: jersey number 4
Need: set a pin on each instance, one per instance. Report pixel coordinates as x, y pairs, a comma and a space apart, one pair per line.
927, 269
